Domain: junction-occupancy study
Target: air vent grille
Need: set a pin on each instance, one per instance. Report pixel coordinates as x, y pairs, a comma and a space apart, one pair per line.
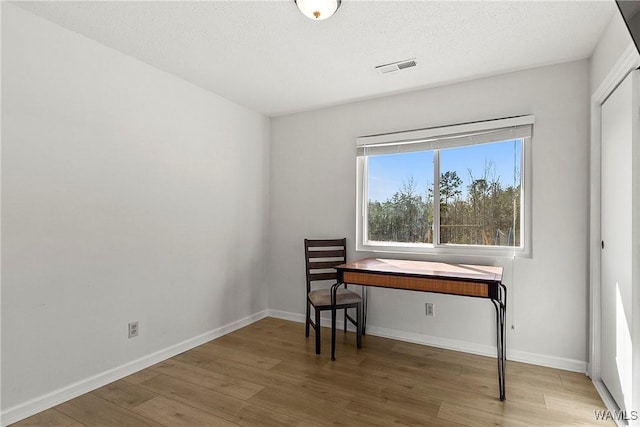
407, 64
396, 66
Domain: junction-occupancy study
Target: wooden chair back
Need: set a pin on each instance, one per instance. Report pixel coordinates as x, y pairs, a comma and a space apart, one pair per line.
322, 255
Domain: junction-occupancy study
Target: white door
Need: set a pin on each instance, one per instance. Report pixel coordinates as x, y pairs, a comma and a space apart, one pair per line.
616, 230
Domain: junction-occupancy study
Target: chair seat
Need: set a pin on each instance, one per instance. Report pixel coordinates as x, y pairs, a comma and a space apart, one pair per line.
322, 297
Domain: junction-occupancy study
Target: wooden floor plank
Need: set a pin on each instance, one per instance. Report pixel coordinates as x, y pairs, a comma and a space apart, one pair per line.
396, 407
49, 418
199, 397
140, 376
246, 357
254, 415
576, 405
93, 411
298, 404
578, 383
475, 418
168, 412
268, 374
124, 394
225, 384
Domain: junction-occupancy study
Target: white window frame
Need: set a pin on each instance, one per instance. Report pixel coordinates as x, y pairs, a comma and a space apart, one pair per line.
467, 134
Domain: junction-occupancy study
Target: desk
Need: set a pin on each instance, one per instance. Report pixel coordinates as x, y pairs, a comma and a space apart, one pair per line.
478, 281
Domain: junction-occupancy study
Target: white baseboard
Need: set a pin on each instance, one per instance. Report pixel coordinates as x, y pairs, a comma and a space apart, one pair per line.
294, 317
565, 364
451, 344
39, 404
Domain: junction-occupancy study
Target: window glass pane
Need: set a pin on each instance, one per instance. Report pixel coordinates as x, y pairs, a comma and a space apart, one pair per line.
400, 197
480, 194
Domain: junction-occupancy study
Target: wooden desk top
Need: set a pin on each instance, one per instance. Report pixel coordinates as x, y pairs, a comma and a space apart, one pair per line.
480, 273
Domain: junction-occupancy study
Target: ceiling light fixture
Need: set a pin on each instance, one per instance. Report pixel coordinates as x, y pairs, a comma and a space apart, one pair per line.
318, 9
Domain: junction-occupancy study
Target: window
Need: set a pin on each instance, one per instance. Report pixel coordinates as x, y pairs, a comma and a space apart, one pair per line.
457, 189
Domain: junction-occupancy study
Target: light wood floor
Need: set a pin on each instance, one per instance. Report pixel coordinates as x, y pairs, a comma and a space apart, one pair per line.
268, 374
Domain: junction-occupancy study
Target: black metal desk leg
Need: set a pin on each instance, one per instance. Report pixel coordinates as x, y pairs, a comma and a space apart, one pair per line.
503, 321
501, 310
365, 303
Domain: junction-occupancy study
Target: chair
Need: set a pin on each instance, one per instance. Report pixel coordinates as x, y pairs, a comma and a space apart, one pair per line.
321, 256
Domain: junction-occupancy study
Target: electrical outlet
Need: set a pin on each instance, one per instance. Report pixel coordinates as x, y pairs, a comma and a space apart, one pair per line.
133, 329
428, 308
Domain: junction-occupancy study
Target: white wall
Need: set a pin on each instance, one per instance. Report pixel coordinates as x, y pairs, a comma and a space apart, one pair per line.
313, 184
612, 44
127, 194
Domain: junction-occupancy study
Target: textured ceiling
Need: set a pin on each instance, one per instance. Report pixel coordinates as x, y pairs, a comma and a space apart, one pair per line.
267, 56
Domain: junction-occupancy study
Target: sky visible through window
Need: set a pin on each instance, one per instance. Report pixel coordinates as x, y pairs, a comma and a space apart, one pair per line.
388, 173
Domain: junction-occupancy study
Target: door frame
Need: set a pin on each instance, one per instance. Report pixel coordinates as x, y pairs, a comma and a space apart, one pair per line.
628, 61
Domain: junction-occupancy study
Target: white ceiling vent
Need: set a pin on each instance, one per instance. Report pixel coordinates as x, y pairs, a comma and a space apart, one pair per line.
396, 66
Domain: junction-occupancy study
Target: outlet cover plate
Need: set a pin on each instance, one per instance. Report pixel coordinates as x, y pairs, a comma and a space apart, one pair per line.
133, 329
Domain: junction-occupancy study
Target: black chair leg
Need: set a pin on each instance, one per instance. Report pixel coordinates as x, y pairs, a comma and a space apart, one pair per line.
317, 328
345, 320
308, 320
